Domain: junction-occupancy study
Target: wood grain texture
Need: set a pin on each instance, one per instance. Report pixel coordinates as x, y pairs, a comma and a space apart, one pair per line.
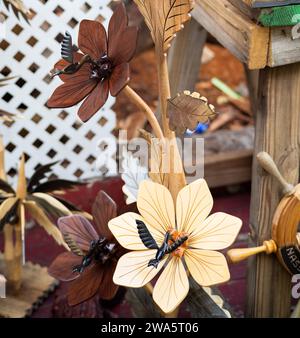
277, 132
234, 30
283, 49
185, 57
164, 19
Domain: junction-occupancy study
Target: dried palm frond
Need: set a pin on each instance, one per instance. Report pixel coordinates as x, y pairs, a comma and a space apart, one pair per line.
18, 8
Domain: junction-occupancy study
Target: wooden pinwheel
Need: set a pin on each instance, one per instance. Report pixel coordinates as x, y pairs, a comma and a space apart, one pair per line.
34, 197
285, 240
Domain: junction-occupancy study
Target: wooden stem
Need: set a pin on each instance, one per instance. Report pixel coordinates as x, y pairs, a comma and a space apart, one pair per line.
164, 91
149, 288
9, 253
173, 314
18, 258
18, 250
146, 109
238, 255
176, 177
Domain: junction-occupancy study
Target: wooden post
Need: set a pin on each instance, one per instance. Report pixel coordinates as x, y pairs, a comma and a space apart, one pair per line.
278, 133
185, 57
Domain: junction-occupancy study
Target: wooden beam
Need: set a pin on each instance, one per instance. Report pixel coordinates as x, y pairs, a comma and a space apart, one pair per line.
185, 57
234, 30
283, 49
277, 132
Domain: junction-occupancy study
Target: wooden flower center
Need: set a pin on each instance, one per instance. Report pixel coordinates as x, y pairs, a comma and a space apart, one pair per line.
175, 237
102, 68
100, 251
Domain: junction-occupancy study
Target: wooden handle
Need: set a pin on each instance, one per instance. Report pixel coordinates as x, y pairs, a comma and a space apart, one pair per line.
238, 255
266, 161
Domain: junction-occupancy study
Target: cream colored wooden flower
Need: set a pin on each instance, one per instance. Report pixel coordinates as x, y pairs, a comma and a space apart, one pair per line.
196, 255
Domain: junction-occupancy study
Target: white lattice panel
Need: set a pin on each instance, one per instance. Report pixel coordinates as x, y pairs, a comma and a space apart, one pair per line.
29, 52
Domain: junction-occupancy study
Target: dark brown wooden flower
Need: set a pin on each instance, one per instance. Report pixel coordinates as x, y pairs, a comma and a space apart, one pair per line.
101, 66
90, 265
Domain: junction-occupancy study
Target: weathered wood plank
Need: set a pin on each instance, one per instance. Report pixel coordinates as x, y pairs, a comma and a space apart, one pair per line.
283, 49
224, 169
185, 57
277, 132
234, 30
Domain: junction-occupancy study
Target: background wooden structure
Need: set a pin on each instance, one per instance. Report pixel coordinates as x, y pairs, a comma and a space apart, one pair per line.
272, 61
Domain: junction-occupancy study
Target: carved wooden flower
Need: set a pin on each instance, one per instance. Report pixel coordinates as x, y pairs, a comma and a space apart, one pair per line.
90, 264
102, 67
179, 242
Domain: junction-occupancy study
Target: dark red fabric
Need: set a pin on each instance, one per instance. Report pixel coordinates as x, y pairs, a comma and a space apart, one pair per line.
42, 249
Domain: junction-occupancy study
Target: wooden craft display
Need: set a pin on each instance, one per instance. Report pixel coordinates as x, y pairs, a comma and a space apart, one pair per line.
285, 241
35, 288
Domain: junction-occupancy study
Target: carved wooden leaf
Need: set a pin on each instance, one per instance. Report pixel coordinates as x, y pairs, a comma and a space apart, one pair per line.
133, 174
186, 110
165, 18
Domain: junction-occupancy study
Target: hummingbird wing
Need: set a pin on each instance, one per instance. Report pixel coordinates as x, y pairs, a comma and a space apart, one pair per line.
146, 236
67, 48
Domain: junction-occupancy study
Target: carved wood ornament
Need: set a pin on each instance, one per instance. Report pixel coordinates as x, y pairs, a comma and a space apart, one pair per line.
285, 242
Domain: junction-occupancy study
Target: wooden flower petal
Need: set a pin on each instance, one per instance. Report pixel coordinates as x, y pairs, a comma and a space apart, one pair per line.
78, 86
193, 205
124, 228
108, 288
85, 286
156, 205
119, 78
92, 39
207, 267
217, 232
133, 270
79, 229
172, 286
117, 23
122, 48
62, 267
94, 102
104, 209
